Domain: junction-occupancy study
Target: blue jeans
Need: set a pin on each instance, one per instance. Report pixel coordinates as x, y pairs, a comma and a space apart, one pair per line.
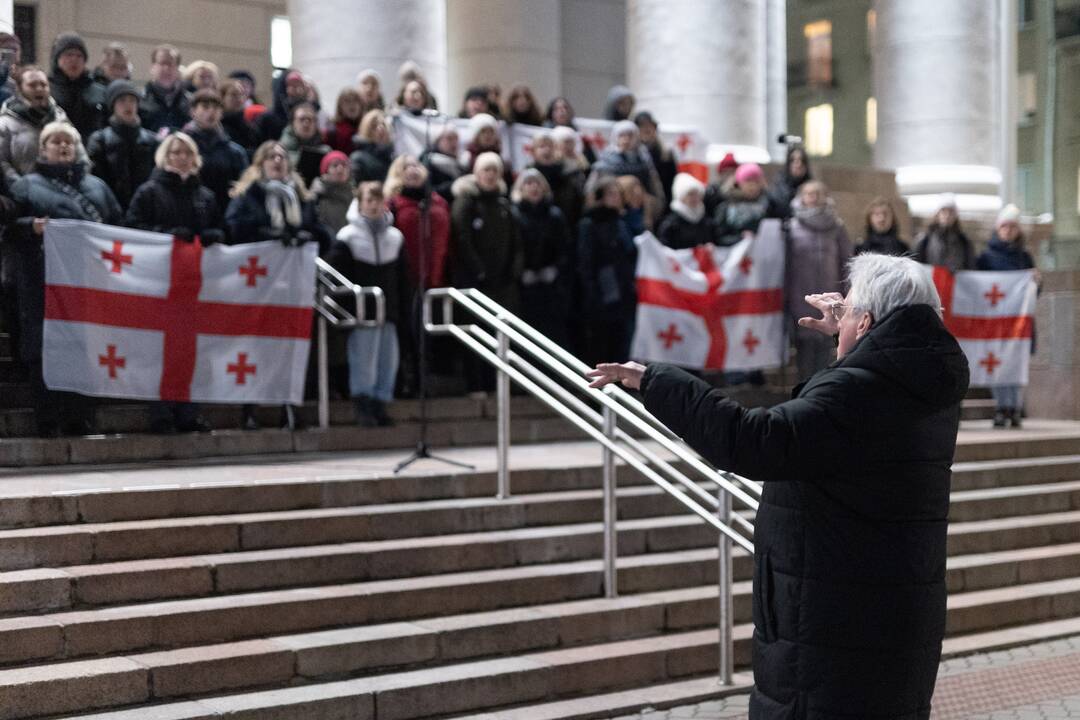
1008, 396
373, 361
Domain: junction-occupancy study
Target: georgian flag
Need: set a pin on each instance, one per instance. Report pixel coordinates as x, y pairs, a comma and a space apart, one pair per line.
992, 316
142, 315
412, 135
712, 308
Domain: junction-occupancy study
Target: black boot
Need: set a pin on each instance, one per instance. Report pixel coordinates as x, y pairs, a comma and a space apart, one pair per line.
364, 411
1016, 417
379, 411
1000, 418
247, 418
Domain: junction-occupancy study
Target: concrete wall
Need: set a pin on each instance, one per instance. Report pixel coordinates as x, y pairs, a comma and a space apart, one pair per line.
231, 33
593, 52
1054, 389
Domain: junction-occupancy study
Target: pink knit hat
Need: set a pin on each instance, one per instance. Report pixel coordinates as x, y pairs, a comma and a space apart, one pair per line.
332, 157
749, 171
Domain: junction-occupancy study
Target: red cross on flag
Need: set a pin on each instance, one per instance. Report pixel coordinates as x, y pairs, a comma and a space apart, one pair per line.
712, 308
992, 316
690, 147
176, 322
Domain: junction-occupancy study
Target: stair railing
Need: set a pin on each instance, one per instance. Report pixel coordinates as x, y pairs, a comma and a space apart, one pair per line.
554, 376
330, 287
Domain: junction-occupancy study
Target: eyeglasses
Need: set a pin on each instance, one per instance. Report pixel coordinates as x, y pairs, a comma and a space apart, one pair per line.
839, 309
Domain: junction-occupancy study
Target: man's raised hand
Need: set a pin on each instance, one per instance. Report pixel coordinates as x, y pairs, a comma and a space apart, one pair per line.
627, 373
827, 323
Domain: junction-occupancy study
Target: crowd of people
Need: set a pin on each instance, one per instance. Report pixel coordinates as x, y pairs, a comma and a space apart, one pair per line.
194, 153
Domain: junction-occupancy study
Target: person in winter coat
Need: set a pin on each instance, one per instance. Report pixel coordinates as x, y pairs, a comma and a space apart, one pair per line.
423, 218
71, 85
349, 111
786, 185
624, 155
547, 244
575, 160
619, 104
369, 83
849, 591
745, 206
882, 230
374, 148
58, 188
818, 251
122, 153
566, 180
640, 210
166, 104
414, 97
369, 251
302, 138
333, 191
485, 139
721, 188
1005, 251
520, 106
201, 75
487, 252
663, 158
21, 119
223, 161
233, 122
606, 259
115, 65
687, 226
174, 201
944, 242
474, 103
290, 89
270, 202
442, 163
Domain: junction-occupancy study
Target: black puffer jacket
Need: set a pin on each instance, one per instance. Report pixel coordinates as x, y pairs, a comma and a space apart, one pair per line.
849, 570
223, 161
123, 156
161, 110
168, 203
82, 99
58, 192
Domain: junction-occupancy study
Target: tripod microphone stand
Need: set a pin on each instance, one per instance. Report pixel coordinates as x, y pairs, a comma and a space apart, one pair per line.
423, 451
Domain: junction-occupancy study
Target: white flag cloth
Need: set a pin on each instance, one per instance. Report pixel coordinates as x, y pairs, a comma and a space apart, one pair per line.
712, 308
412, 134
134, 314
992, 316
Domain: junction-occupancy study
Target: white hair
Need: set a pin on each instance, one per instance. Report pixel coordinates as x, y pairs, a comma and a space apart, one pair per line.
882, 283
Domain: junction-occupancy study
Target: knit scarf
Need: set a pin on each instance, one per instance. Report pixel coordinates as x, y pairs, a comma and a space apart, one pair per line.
282, 204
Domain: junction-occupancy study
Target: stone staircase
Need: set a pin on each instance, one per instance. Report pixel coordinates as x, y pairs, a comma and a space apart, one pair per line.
327, 587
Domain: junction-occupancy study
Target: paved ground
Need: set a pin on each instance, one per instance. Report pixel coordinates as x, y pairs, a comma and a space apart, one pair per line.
1025, 683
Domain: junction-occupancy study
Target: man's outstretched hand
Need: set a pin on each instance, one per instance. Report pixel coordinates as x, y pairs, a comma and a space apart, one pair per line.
627, 373
827, 323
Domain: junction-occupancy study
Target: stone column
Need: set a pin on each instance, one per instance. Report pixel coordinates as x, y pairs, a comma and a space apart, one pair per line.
7, 16
776, 78
936, 78
702, 63
333, 40
504, 42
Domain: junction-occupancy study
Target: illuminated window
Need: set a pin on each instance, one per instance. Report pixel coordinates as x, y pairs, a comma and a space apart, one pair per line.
281, 42
819, 130
871, 121
819, 52
871, 31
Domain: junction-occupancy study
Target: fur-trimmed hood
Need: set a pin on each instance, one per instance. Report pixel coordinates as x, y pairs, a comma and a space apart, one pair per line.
466, 186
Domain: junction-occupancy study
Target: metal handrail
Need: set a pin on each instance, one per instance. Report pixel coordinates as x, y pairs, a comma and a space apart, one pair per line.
329, 285
489, 334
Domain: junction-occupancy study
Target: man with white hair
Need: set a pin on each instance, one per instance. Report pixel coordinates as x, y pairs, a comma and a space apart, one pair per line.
850, 538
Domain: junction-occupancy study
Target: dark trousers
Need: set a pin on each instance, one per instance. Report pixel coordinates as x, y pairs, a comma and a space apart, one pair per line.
54, 409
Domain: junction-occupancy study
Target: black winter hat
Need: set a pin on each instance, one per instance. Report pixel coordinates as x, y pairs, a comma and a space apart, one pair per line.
117, 89
68, 41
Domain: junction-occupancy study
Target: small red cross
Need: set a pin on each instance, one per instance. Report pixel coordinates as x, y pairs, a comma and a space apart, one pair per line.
675, 266
527, 148
111, 361
683, 142
990, 362
116, 257
253, 271
745, 264
241, 368
670, 336
994, 295
596, 140
750, 342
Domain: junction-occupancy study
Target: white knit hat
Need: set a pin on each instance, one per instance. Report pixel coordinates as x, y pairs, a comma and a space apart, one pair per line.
563, 132
1009, 213
479, 121
685, 183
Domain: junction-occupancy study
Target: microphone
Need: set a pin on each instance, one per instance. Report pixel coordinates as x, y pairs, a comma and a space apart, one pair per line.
789, 139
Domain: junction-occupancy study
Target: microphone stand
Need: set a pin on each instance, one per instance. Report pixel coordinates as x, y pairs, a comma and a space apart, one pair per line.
423, 451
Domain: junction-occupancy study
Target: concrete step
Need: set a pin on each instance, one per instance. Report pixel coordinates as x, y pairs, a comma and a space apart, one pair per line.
80, 544
555, 635
223, 492
1038, 438
972, 409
